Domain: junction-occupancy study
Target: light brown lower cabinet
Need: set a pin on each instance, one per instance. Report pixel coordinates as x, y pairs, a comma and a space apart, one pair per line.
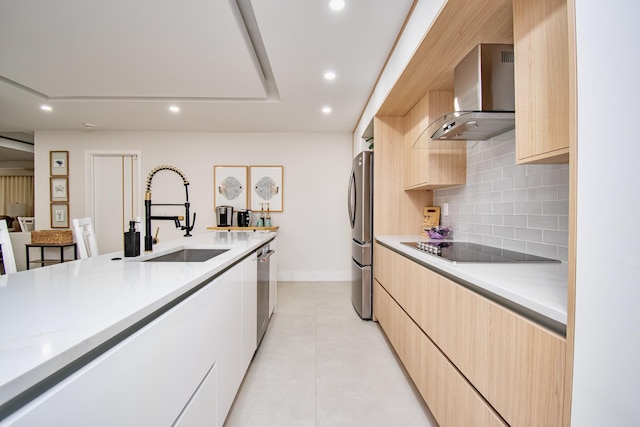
449, 396
516, 365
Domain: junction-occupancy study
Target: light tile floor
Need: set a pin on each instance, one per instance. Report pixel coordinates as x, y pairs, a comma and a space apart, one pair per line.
320, 365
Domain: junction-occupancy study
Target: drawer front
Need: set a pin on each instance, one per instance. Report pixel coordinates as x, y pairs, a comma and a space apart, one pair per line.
449, 396
145, 380
515, 364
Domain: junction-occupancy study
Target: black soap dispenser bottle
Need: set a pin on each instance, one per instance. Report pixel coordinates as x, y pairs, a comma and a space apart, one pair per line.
132, 241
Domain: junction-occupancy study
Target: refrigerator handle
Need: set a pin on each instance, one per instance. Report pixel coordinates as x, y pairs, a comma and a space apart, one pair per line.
351, 202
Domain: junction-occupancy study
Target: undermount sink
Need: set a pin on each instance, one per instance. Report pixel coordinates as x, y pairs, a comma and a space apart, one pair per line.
188, 255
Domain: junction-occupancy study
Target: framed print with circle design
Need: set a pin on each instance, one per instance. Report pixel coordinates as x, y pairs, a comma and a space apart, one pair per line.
267, 188
230, 186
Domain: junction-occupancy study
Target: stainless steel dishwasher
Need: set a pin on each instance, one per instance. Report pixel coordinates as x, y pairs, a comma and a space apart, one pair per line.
264, 253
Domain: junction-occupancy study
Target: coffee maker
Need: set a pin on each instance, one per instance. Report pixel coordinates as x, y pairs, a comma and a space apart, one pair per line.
224, 216
244, 218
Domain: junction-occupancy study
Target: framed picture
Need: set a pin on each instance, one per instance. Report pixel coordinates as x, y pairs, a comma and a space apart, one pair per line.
266, 188
230, 186
59, 215
59, 189
59, 163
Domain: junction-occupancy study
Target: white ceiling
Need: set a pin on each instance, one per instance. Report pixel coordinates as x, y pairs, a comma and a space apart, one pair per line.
230, 65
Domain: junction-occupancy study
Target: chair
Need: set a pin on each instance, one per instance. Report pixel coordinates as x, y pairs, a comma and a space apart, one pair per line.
85, 237
8, 259
27, 223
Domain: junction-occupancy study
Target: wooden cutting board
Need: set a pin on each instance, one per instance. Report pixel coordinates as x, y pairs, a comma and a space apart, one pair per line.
431, 218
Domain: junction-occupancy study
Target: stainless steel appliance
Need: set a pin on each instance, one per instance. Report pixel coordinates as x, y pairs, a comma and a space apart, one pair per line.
472, 252
244, 218
360, 205
224, 216
264, 253
484, 96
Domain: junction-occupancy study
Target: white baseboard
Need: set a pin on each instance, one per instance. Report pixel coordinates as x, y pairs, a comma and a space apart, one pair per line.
314, 276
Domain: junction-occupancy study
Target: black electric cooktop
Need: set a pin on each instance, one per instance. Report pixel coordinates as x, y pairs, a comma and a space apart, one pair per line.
473, 252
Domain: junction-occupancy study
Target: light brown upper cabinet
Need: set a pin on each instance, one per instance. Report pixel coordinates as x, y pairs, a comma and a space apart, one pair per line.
541, 44
443, 163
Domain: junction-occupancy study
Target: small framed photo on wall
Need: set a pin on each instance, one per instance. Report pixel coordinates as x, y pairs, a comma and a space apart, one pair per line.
59, 189
59, 163
59, 215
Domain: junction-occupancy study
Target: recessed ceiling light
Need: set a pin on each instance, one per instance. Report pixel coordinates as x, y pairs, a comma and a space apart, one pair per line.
45, 107
329, 75
174, 109
87, 125
326, 110
336, 4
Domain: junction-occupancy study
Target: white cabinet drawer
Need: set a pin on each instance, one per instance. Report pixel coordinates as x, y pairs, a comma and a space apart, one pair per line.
201, 409
145, 380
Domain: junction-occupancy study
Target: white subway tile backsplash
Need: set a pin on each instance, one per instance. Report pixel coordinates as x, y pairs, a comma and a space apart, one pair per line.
482, 166
492, 219
495, 197
513, 171
559, 238
503, 184
514, 195
503, 208
563, 192
484, 229
542, 193
491, 175
483, 187
556, 177
491, 241
517, 207
560, 207
549, 251
503, 161
484, 208
514, 245
525, 208
504, 232
528, 181
542, 222
563, 223
515, 220
528, 234
563, 253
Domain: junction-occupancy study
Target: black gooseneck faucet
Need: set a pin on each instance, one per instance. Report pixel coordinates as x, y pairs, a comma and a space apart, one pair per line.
148, 239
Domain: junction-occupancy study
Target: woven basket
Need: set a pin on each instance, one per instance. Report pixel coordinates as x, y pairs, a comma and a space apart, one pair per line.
52, 237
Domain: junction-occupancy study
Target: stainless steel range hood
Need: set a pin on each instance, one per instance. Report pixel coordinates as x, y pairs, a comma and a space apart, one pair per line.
484, 100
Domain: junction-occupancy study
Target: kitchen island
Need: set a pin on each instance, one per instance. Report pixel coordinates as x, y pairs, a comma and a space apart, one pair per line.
60, 324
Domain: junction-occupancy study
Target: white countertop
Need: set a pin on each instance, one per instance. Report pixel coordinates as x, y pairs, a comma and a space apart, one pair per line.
539, 287
51, 316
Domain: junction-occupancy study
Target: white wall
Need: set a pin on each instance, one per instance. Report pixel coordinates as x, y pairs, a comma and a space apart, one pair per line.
607, 348
417, 26
313, 240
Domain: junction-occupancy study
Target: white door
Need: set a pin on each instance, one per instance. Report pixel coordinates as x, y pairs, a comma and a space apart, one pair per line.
115, 190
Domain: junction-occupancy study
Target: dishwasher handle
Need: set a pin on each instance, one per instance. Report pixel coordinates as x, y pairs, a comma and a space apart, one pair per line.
265, 256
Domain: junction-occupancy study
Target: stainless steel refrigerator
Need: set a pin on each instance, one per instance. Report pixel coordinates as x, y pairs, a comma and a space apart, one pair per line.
361, 218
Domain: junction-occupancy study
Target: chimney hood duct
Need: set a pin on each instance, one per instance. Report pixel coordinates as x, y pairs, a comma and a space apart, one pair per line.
484, 100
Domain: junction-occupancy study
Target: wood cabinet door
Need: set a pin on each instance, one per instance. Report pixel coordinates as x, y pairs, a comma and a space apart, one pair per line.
517, 365
541, 45
432, 164
451, 399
